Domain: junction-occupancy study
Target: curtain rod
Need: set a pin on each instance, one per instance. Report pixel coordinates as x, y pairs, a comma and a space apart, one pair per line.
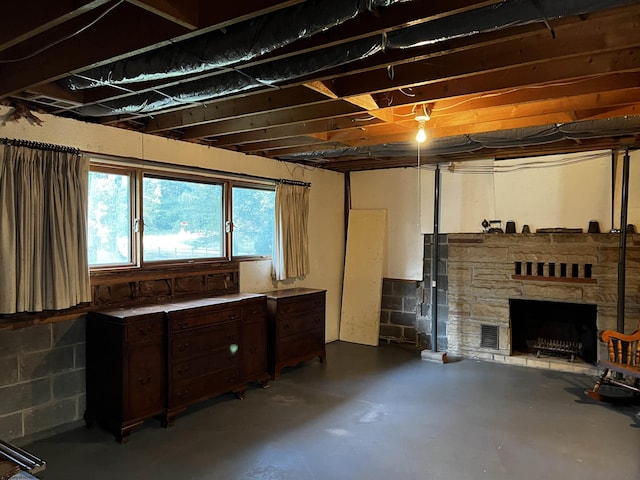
186, 168
294, 182
39, 145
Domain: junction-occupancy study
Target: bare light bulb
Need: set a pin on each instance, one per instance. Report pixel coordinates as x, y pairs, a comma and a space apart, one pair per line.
421, 136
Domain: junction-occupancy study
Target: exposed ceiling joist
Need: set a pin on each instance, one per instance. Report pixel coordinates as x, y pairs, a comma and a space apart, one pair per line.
483, 67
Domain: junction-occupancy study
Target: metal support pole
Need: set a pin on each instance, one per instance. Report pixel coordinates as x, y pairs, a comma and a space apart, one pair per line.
435, 259
622, 255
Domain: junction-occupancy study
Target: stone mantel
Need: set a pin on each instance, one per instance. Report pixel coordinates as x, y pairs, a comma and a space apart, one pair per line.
485, 271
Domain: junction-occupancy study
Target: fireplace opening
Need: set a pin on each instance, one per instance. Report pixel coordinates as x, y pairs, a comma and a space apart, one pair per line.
559, 329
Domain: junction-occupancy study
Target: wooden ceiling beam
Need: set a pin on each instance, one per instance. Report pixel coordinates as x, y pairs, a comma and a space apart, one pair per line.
122, 32
248, 105
330, 109
396, 16
314, 127
20, 23
536, 49
185, 13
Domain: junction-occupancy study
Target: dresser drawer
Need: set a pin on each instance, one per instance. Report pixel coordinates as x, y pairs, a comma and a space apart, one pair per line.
220, 359
294, 325
301, 345
303, 304
190, 344
255, 311
188, 391
184, 321
143, 331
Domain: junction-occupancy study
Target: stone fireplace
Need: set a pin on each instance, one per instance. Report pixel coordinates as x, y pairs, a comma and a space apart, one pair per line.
505, 291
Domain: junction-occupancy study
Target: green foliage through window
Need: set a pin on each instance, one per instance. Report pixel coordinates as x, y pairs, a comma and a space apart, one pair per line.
173, 218
253, 219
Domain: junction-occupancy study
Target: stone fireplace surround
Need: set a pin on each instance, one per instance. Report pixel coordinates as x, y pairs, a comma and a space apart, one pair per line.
486, 271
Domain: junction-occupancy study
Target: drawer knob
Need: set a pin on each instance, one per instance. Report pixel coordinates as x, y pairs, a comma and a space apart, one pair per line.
233, 348
144, 330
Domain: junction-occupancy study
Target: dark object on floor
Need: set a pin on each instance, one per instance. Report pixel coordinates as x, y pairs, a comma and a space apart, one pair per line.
526, 229
15, 462
624, 359
594, 227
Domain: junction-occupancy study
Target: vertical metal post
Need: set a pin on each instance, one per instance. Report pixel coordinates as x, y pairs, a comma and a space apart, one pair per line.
622, 254
435, 259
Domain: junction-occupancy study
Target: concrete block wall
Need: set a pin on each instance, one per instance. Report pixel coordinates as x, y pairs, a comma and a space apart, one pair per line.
424, 320
399, 311
42, 379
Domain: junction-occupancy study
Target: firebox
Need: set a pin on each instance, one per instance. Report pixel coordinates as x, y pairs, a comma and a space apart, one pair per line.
558, 329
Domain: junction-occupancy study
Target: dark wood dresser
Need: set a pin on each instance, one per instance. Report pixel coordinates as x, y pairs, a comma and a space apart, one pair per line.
158, 359
296, 327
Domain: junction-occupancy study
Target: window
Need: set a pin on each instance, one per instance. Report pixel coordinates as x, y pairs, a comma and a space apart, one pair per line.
109, 220
253, 218
138, 217
183, 219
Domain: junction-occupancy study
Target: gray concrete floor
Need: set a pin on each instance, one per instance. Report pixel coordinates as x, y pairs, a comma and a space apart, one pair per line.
374, 413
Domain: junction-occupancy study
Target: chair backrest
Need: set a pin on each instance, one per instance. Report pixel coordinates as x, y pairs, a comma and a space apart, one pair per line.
623, 349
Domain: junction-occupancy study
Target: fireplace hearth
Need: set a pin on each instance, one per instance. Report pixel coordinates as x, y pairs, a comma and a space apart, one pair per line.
557, 329
543, 297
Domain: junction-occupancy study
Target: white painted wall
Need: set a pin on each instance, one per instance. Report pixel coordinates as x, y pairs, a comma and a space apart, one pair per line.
395, 190
569, 196
326, 225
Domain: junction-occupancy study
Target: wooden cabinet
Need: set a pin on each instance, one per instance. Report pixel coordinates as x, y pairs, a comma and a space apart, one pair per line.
125, 368
296, 327
157, 360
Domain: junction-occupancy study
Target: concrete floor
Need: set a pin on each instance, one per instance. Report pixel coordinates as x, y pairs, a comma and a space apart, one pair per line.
374, 413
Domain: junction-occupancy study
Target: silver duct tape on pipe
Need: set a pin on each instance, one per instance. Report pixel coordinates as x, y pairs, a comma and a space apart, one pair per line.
470, 143
238, 43
236, 82
502, 15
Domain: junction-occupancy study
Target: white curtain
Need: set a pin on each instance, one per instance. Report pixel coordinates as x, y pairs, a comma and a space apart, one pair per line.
43, 229
291, 250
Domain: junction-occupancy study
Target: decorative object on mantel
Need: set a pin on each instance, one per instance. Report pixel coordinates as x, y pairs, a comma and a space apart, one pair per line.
559, 230
493, 226
510, 227
594, 227
526, 229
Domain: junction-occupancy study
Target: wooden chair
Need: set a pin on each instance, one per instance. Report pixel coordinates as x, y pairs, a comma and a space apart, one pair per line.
622, 368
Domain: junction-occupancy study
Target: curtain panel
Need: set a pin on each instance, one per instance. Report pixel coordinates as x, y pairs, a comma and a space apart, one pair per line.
291, 250
43, 229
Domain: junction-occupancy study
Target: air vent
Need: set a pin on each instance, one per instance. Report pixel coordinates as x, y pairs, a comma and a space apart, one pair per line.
489, 336
55, 102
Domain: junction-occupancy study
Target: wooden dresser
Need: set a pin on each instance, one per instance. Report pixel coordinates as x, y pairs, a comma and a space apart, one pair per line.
296, 327
158, 359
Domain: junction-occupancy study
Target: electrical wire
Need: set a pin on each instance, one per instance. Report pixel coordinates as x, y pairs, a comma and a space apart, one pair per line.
67, 37
467, 168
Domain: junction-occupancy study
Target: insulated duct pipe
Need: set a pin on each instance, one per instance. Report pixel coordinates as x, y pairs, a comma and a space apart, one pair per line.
622, 255
435, 259
250, 40
239, 43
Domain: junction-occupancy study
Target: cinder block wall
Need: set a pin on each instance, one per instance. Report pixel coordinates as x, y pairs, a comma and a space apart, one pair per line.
406, 304
398, 311
42, 379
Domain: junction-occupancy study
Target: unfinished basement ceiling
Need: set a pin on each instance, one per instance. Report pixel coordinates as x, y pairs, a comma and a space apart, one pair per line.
336, 83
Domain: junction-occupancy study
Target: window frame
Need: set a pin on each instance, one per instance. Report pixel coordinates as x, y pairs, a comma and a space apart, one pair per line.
134, 244
136, 206
254, 186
